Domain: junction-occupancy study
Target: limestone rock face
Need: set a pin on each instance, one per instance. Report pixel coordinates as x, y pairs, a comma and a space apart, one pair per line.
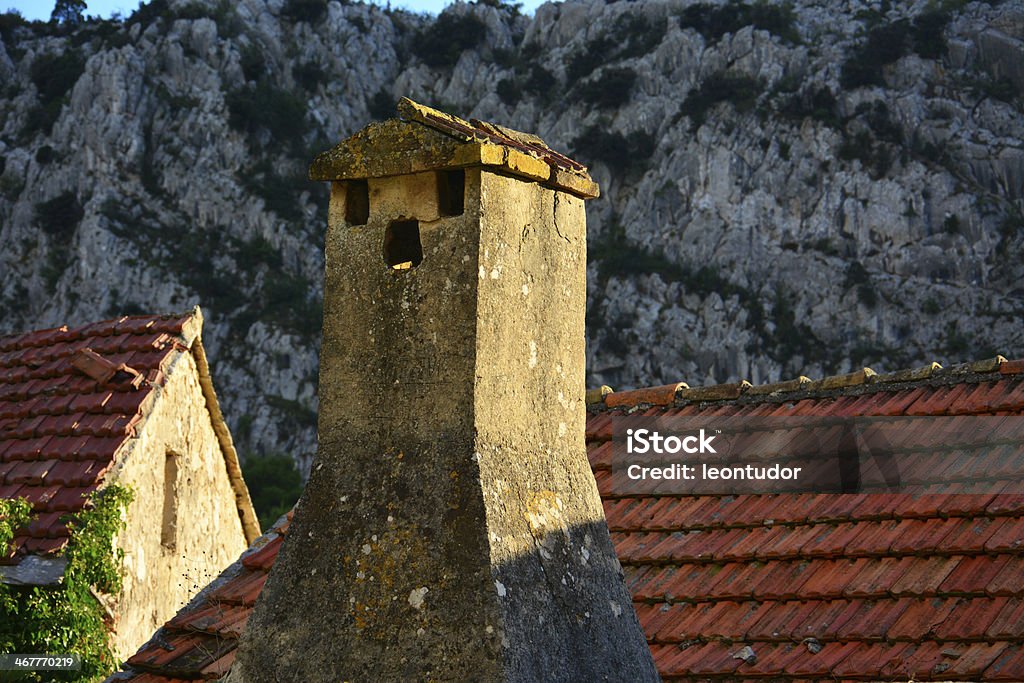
779, 198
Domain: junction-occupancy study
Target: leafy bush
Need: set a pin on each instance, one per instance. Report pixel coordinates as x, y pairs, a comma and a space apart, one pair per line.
876, 157
876, 115
633, 35
266, 107
252, 61
928, 34
274, 485
513, 8
509, 91
59, 217
68, 618
193, 10
624, 154
816, 103
309, 75
309, 11
858, 276
884, 45
45, 155
597, 52
1012, 225
382, 105
541, 82
714, 21
149, 12
256, 251
741, 91
791, 337
68, 12
286, 300
440, 43
956, 343
55, 74
876, 145
611, 89
10, 22
1002, 89
280, 193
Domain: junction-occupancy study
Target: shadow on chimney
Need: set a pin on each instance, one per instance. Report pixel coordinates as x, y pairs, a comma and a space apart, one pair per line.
357, 202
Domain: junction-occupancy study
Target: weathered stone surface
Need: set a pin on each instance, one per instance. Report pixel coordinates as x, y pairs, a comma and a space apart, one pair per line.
164, 569
772, 202
432, 139
451, 528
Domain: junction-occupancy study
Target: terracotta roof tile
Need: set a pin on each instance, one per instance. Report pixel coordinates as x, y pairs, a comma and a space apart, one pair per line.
241, 592
883, 660
1007, 581
975, 574
1008, 537
1008, 666
773, 623
970, 619
1006, 623
924, 576
888, 585
659, 396
59, 428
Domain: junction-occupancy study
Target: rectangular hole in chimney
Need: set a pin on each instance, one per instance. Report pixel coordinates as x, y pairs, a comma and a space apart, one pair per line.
402, 248
357, 202
451, 188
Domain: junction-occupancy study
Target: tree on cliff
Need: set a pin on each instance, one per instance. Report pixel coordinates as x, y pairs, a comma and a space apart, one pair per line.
68, 12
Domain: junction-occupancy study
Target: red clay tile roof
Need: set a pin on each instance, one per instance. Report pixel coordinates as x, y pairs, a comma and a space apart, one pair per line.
70, 400
818, 587
199, 643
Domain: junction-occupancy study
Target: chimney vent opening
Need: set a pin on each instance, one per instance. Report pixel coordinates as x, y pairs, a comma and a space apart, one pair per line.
402, 248
357, 202
451, 189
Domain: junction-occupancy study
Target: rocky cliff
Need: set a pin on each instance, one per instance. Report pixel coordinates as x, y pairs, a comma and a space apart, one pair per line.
788, 190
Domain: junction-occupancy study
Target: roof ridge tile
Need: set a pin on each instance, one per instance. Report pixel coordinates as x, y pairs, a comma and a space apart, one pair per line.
657, 396
858, 382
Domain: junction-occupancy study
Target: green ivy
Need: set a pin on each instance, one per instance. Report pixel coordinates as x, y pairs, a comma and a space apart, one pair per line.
67, 618
13, 514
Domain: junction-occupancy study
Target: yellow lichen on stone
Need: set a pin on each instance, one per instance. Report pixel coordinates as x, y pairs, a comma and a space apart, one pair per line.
429, 139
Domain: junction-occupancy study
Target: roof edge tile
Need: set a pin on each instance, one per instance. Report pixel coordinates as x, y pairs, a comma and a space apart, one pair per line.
851, 379
595, 396
909, 375
716, 392
655, 396
1012, 367
797, 384
859, 382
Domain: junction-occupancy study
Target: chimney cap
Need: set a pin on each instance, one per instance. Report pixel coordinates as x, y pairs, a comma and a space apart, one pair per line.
426, 139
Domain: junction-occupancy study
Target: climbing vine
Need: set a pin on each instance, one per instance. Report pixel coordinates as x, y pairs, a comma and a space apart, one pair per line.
68, 618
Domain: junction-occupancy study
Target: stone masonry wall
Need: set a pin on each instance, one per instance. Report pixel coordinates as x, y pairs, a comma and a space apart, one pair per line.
207, 535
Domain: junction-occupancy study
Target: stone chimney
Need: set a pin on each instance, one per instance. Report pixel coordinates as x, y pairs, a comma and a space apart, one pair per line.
451, 528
